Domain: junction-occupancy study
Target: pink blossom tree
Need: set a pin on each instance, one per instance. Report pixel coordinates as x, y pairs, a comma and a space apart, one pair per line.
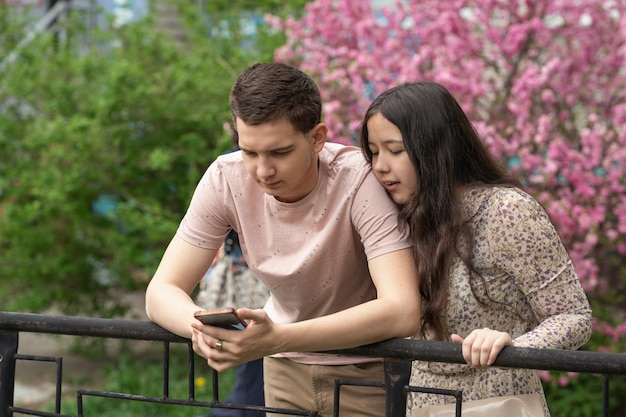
544, 82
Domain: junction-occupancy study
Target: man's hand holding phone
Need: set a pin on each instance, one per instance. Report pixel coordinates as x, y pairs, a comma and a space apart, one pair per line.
225, 346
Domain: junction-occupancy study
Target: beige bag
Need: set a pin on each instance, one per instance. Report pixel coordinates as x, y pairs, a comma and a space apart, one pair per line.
528, 405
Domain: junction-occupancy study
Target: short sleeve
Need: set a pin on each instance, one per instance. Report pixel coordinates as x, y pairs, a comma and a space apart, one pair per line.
205, 223
375, 217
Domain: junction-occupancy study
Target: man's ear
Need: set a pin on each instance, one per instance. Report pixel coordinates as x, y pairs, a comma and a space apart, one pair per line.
318, 133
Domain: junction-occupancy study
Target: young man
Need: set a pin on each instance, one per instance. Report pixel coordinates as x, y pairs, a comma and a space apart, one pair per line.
317, 228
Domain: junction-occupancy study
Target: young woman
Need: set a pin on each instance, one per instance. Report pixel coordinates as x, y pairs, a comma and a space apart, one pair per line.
493, 271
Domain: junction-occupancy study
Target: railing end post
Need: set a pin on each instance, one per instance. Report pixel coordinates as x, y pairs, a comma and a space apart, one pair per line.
8, 350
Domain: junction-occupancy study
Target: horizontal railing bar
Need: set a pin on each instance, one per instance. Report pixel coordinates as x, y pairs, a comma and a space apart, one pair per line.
86, 326
37, 358
193, 403
29, 412
606, 363
402, 349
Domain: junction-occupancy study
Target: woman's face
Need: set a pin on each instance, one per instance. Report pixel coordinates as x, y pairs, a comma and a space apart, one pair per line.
390, 161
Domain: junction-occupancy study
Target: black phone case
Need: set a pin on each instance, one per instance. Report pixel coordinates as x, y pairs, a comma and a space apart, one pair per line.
225, 320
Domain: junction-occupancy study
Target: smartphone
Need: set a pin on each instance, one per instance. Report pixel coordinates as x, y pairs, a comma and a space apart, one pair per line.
221, 317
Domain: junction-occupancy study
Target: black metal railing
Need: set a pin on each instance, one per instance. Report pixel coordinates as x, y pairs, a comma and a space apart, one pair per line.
397, 354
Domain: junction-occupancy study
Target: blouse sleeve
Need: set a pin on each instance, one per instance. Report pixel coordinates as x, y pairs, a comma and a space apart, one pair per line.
528, 249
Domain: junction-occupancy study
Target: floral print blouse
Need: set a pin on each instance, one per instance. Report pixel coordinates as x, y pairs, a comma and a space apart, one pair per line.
534, 295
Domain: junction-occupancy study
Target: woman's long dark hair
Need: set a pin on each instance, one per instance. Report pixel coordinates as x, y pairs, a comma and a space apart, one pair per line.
447, 154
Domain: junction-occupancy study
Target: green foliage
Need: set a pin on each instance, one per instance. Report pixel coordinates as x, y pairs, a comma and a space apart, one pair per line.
103, 137
582, 396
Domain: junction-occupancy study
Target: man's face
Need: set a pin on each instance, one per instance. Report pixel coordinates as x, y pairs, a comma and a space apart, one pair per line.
282, 160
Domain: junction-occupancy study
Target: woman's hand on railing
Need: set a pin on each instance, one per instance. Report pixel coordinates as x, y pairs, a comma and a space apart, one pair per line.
482, 346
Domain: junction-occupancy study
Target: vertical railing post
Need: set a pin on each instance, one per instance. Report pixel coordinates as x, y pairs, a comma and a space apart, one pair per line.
397, 374
8, 350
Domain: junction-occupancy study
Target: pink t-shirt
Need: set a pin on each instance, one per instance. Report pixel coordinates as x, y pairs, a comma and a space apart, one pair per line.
312, 254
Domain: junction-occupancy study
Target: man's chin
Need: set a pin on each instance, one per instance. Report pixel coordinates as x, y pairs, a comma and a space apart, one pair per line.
272, 192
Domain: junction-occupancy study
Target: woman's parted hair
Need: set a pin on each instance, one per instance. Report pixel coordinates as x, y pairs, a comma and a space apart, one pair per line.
266, 92
447, 153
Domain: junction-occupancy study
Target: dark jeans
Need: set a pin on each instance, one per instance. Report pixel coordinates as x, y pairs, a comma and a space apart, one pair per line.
248, 390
